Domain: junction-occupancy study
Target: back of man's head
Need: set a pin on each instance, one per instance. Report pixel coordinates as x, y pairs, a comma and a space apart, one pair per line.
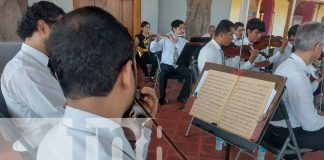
308, 35
42, 10
254, 24
292, 30
224, 26
90, 47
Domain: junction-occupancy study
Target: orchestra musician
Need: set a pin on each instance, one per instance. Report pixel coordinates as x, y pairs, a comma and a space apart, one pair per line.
171, 46
144, 57
238, 33
298, 97
254, 29
212, 51
98, 77
211, 31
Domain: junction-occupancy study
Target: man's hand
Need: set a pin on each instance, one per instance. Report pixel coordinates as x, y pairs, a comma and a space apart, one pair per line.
170, 37
254, 54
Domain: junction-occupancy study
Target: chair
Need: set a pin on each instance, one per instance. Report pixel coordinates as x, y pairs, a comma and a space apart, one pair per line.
7, 51
9, 131
194, 68
290, 146
157, 73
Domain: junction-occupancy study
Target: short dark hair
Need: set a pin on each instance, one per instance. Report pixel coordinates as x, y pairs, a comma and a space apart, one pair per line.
224, 26
44, 10
293, 30
238, 24
90, 47
254, 24
144, 23
176, 23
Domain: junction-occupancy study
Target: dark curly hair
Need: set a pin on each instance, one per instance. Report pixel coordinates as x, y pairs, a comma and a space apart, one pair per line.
254, 24
44, 10
90, 47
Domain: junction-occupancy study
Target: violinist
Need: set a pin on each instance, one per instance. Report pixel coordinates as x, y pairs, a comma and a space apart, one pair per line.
254, 29
212, 51
94, 77
298, 97
144, 56
238, 33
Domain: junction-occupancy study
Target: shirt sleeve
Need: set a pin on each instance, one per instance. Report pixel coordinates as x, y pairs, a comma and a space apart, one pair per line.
300, 99
156, 46
40, 92
274, 58
208, 55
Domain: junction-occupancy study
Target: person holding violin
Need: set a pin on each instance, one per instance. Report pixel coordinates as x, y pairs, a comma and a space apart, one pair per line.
254, 29
144, 56
238, 33
98, 78
307, 123
212, 51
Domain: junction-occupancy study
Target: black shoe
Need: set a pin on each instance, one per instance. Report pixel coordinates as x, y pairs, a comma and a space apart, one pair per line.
163, 101
182, 100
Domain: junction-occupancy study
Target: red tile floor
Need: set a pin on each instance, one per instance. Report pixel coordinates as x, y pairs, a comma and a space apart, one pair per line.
198, 145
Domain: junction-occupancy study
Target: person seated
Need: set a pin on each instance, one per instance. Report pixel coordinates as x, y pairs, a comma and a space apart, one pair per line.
210, 32
171, 47
144, 57
307, 123
98, 76
212, 51
238, 33
28, 82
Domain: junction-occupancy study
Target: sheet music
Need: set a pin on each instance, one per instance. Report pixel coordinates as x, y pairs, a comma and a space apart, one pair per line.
202, 79
213, 95
245, 106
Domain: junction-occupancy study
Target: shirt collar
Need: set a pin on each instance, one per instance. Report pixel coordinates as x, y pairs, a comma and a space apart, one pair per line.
216, 44
34, 53
247, 41
300, 62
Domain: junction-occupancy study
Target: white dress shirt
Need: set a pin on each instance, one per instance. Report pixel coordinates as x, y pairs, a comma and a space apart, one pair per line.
236, 40
260, 57
206, 35
83, 135
168, 48
298, 96
31, 92
283, 56
213, 53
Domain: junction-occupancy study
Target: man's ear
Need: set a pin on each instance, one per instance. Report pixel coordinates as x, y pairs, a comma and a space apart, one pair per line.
318, 47
126, 75
43, 27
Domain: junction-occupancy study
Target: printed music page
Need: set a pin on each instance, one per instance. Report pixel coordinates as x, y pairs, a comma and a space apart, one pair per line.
213, 95
245, 106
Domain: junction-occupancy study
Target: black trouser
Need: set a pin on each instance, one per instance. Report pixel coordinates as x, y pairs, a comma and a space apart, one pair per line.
167, 71
305, 139
147, 58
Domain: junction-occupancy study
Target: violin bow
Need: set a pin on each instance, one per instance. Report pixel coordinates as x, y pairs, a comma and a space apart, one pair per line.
140, 100
321, 102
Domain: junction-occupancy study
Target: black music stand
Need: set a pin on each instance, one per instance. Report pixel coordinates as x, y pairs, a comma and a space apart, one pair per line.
244, 145
200, 39
190, 51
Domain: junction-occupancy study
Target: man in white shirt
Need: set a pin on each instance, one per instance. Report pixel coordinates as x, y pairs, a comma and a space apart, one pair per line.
254, 29
212, 51
98, 77
211, 31
171, 47
238, 33
298, 97
29, 88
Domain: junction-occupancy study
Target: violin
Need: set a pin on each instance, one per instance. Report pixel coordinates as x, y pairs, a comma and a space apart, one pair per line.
268, 41
233, 50
139, 99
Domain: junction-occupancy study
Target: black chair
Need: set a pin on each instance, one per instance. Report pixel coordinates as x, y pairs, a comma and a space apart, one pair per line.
290, 147
10, 132
177, 78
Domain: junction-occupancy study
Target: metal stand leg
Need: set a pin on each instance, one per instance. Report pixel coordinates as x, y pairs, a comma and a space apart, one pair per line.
228, 151
189, 127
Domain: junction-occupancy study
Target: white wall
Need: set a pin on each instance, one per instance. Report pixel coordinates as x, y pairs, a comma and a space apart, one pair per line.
66, 5
150, 13
169, 10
